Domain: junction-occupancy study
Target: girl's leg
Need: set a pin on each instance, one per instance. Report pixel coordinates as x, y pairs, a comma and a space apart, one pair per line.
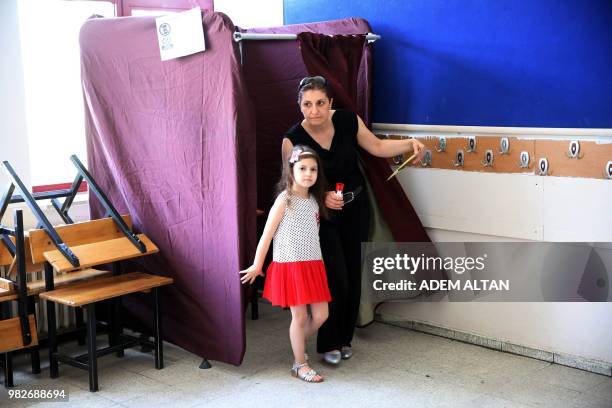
319, 312
297, 335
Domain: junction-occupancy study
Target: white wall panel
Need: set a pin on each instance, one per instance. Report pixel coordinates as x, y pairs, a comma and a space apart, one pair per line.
506, 205
577, 209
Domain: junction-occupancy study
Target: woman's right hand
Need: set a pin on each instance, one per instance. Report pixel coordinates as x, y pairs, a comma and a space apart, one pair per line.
333, 201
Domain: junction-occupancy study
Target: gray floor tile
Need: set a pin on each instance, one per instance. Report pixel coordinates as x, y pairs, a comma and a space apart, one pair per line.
391, 367
487, 401
570, 378
603, 390
540, 394
590, 401
115, 383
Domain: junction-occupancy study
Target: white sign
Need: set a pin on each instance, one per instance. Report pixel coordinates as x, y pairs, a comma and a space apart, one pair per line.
180, 34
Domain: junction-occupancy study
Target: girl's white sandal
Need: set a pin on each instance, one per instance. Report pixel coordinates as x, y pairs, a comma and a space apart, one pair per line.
308, 376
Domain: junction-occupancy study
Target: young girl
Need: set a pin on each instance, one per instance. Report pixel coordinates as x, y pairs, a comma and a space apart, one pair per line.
296, 277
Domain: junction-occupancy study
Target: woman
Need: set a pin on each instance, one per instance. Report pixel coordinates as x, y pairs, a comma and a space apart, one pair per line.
335, 135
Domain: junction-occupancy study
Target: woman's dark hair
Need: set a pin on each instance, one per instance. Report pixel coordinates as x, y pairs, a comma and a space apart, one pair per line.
317, 190
318, 83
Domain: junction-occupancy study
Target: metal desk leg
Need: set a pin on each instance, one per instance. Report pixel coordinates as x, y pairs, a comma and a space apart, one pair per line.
110, 310
51, 324
80, 324
34, 354
159, 341
8, 369
114, 319
114, 324
91, 347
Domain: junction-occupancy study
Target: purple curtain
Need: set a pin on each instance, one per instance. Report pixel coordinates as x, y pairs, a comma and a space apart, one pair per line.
273, 89
172, 144
339, 59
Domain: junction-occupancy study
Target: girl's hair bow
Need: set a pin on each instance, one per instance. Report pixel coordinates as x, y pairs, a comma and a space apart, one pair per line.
295, 156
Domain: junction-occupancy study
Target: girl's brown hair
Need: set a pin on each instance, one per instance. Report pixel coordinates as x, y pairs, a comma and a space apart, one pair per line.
317, 190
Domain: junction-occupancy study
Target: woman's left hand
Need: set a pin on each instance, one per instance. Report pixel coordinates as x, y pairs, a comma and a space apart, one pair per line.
418, 148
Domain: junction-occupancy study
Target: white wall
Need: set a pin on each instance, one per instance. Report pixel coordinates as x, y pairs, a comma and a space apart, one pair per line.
470, 206
251, 14
13, 135
79, 211
14, 145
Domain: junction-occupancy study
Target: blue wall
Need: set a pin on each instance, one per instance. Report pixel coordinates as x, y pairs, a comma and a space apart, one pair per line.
540, 63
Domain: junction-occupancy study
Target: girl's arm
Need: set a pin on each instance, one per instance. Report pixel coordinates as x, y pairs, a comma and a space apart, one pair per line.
274, 218
386, 148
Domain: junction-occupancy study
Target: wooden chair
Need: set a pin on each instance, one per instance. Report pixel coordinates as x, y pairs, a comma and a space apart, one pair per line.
95, 243
19, 332
70, 252
35, 284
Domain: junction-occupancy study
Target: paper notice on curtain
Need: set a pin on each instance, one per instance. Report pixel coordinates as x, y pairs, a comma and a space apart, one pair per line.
180, 34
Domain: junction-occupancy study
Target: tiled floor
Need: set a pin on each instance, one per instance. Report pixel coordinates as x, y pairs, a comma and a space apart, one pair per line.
391, 367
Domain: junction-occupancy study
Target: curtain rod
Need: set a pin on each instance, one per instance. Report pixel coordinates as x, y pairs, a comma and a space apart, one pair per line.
238, 36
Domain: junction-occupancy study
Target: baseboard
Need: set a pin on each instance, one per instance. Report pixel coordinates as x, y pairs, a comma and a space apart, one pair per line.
582, 363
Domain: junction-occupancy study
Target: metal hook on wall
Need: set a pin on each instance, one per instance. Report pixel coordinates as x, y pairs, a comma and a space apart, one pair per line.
426, 159
441, 145
399, 159
573, 150
471, 147
543, 169
488, 158
459, 158
524, 160
504, 145
608, 170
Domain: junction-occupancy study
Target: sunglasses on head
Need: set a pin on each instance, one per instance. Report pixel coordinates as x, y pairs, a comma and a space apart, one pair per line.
310, 80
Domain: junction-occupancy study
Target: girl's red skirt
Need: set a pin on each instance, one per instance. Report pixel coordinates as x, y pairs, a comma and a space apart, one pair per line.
296, 283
